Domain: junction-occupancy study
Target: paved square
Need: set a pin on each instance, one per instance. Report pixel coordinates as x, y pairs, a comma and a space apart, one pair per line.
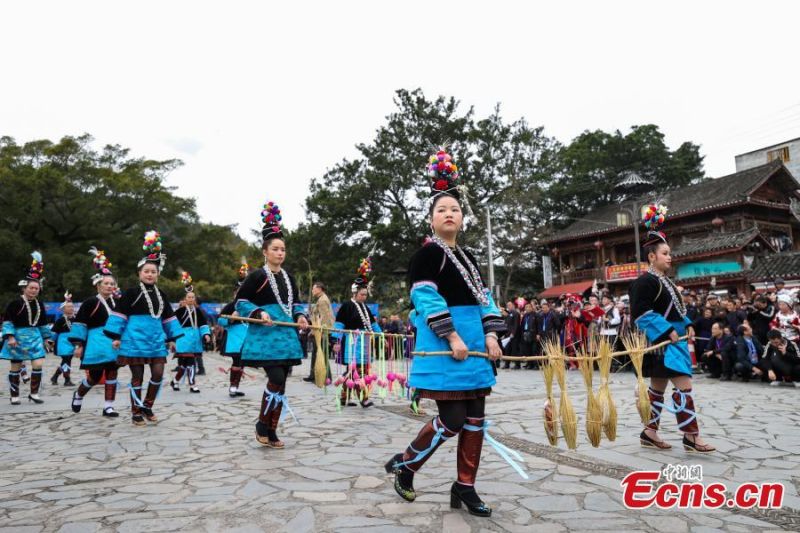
200, 469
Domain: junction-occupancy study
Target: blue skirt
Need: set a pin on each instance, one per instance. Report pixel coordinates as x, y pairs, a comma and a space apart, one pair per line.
271, 345
30, 345
442, 372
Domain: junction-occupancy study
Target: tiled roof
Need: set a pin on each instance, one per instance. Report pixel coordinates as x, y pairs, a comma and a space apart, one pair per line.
715, 242
783, 265
710, 194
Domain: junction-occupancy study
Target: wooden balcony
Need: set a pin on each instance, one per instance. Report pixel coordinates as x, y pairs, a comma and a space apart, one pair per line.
575, 276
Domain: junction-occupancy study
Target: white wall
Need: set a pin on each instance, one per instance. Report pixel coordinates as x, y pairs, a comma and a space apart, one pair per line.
757, 158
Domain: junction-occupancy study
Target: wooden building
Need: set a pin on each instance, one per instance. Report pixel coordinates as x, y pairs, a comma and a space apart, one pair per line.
720, 231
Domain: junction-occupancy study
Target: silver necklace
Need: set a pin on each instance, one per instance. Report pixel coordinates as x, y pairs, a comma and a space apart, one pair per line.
192, 317
671, 289
273, 283
472, 277
362, 312
31, 320
105, 304
69, 324
150, 302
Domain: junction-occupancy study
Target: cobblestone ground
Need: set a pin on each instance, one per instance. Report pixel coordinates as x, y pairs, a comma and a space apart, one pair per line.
200, 469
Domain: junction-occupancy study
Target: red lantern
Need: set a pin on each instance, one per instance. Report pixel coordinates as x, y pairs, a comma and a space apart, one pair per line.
554, 252
717, 222
598, 244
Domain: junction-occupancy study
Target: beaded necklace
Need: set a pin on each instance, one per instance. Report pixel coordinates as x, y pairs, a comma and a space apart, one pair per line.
472, 277
668, 284
362, 312
273, 283
150, 302
31, 319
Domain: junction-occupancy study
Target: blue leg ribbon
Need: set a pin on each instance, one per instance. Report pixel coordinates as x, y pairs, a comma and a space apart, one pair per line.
438, 437
136, 399
11, 385
274, 399
504, 451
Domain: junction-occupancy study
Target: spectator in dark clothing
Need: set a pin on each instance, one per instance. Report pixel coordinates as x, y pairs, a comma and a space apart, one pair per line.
734, 316
784, 357
513, 324
528, 332
750, 360
703, 328
548, 324
692, 312
720, 354
759, 316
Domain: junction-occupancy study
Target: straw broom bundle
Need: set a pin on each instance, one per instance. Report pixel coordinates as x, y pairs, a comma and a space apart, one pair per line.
550, 411
594, 415
320, 365
604, 398
636, 344
569, 420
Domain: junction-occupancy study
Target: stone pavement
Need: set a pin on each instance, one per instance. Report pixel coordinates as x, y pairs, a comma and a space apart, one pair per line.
200, 469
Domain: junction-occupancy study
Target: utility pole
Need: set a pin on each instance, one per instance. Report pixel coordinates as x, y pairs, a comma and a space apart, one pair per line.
491, 254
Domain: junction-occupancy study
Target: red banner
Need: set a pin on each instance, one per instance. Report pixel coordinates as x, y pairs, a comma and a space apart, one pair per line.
623, 272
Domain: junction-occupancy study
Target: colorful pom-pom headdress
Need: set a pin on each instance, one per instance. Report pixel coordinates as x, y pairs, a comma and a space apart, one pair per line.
363, 279
654, 217
35, 271
186, 279
244, 270
443, 174
271, 218
101, 264
152, 249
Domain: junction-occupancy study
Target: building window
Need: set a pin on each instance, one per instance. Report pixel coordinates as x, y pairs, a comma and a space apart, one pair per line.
780, 153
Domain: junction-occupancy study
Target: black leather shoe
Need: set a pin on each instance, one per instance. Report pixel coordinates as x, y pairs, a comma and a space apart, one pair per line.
76, 407
35, 398
463, 494
110, 412
403, 478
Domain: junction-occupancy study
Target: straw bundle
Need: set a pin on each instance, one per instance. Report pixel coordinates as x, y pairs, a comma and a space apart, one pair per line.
594, 415
604, 398
636, 344
320, 365
569, 420
550, 411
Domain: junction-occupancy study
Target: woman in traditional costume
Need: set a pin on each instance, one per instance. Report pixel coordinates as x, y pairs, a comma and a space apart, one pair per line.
189, 347
144, 329
94, 349
354, 315
454, 313
269, 294
25, 331
233, 338
658, 310
62, 347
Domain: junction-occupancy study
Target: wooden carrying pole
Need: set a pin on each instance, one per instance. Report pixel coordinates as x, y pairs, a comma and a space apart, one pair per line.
311, 326
546, 357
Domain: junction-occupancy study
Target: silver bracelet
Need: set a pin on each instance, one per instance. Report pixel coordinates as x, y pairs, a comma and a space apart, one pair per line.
491, 334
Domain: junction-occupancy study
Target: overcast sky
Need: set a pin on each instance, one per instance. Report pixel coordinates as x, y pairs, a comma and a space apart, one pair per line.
258, 98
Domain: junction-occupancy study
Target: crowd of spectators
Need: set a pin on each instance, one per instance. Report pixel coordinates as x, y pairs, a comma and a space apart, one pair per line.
736, 336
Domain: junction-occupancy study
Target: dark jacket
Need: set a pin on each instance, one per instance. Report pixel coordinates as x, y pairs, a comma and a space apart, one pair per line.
743, 350
792, 354
548, 325
759, 320
724, 346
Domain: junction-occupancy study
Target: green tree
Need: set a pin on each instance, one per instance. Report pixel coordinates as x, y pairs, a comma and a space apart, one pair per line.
379, 200
589, 167
62, 198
